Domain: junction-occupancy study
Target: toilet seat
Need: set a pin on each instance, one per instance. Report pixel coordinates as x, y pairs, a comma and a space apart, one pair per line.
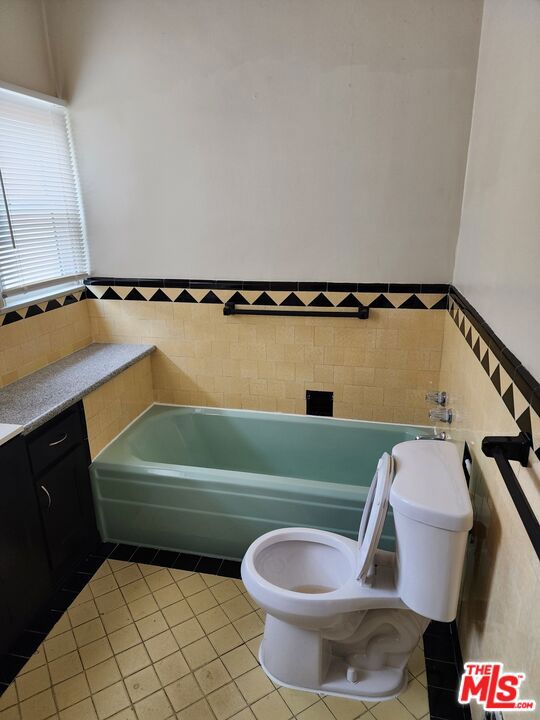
373, 516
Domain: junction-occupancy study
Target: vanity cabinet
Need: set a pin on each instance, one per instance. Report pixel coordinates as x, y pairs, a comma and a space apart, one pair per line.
59, 458
25, 579
47, 522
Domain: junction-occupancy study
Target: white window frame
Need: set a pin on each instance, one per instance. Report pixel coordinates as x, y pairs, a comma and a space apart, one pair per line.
48, 290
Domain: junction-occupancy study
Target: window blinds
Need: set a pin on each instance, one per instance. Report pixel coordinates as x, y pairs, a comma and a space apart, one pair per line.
42, 238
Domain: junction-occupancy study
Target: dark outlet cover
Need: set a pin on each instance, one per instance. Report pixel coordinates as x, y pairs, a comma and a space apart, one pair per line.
319, 402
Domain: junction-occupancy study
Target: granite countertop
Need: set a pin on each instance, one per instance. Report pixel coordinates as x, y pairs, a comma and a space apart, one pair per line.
36, 398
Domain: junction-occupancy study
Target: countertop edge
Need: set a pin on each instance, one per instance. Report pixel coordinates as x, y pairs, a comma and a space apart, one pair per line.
68, 402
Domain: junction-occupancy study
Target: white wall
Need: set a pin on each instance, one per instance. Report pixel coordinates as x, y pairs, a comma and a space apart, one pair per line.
282, 139
498, 254
23, 50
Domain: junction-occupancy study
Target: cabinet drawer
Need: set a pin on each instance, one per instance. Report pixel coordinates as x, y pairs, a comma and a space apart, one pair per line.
55, 439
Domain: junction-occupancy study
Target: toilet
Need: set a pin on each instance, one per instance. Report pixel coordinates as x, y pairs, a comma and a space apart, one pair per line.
342, 617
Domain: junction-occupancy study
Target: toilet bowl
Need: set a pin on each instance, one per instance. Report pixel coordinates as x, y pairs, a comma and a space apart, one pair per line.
343, 616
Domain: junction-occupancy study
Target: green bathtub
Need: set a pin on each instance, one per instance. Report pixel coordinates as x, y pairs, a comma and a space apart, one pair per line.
209, 481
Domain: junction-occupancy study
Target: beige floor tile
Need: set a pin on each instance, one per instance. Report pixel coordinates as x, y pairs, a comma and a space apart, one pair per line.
191, 585
202, 601
111, 700
212, 676
154, 707
249, 626
391, 710
38, 706
143, 606
102, 675
272, 707
84, 596
318, 711
239, 661
103, 585
198, 711
132, 660
225, 639
183, 692
9, 697
83, 613
171, 668
244, 714
59, 645
142, 683
187, 632
177, 613
417, 663
12, 713
160, 579
62, 626
254, 685
210, 580
124, 638
71, 691
33, 682
37, 660
254, 645
109, 601
152, 625
199, 653
127, 575
135, 590
225, 591
127, 714
88, 632
167, 595
298, 700
344, 709
422, 679
95, 652
116, 619
415, 699
178, 575
236, 607
213, 619
116, 565
161, 645
226, 702
83, 710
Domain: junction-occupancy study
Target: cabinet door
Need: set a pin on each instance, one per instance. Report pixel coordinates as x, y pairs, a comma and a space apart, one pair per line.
25, 581
67, 510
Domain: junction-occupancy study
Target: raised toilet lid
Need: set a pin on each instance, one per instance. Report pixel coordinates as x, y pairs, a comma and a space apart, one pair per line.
374, 514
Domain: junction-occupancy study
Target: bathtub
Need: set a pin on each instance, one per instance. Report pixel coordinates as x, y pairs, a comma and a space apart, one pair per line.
210, 481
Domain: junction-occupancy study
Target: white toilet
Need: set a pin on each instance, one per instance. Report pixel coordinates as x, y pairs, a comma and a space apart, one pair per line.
343, 617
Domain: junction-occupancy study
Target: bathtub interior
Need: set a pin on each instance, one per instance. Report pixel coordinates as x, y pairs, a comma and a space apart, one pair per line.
211, 481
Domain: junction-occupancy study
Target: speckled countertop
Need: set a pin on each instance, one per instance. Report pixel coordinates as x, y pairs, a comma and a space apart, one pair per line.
36, 398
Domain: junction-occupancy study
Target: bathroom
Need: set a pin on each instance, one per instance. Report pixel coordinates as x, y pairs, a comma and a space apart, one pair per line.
177, 176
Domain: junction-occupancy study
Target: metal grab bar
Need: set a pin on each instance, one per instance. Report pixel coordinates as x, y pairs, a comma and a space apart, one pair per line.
502, 450
361, 313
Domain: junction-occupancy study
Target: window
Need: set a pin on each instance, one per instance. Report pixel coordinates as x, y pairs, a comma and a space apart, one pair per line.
42, 237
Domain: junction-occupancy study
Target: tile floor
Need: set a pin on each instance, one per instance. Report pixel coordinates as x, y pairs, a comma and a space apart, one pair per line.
143, 642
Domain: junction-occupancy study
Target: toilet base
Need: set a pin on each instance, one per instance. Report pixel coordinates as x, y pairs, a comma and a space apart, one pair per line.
372, 685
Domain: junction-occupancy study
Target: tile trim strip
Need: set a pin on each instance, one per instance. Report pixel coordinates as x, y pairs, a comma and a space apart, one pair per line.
33, 309
518, 389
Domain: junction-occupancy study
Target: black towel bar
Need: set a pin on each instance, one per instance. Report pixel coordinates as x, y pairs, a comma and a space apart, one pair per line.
361, 313
502, 450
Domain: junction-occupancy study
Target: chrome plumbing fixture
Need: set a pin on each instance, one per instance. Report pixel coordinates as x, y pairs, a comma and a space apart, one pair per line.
438, 397
437, 436
442, 414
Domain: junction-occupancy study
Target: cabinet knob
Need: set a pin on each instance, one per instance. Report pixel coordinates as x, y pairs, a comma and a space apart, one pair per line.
47, 493
57, 442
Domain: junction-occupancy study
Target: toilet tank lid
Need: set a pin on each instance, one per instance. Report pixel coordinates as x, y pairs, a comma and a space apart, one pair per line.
429, 485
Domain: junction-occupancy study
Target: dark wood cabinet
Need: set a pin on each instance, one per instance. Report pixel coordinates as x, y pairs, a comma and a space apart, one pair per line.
25, 579
47, 521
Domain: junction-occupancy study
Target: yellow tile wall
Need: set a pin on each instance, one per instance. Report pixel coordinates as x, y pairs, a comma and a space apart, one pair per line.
378, 369
500, 613
30, 344
111, 407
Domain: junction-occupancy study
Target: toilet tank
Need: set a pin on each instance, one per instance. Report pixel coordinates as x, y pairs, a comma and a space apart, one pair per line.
433, 515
